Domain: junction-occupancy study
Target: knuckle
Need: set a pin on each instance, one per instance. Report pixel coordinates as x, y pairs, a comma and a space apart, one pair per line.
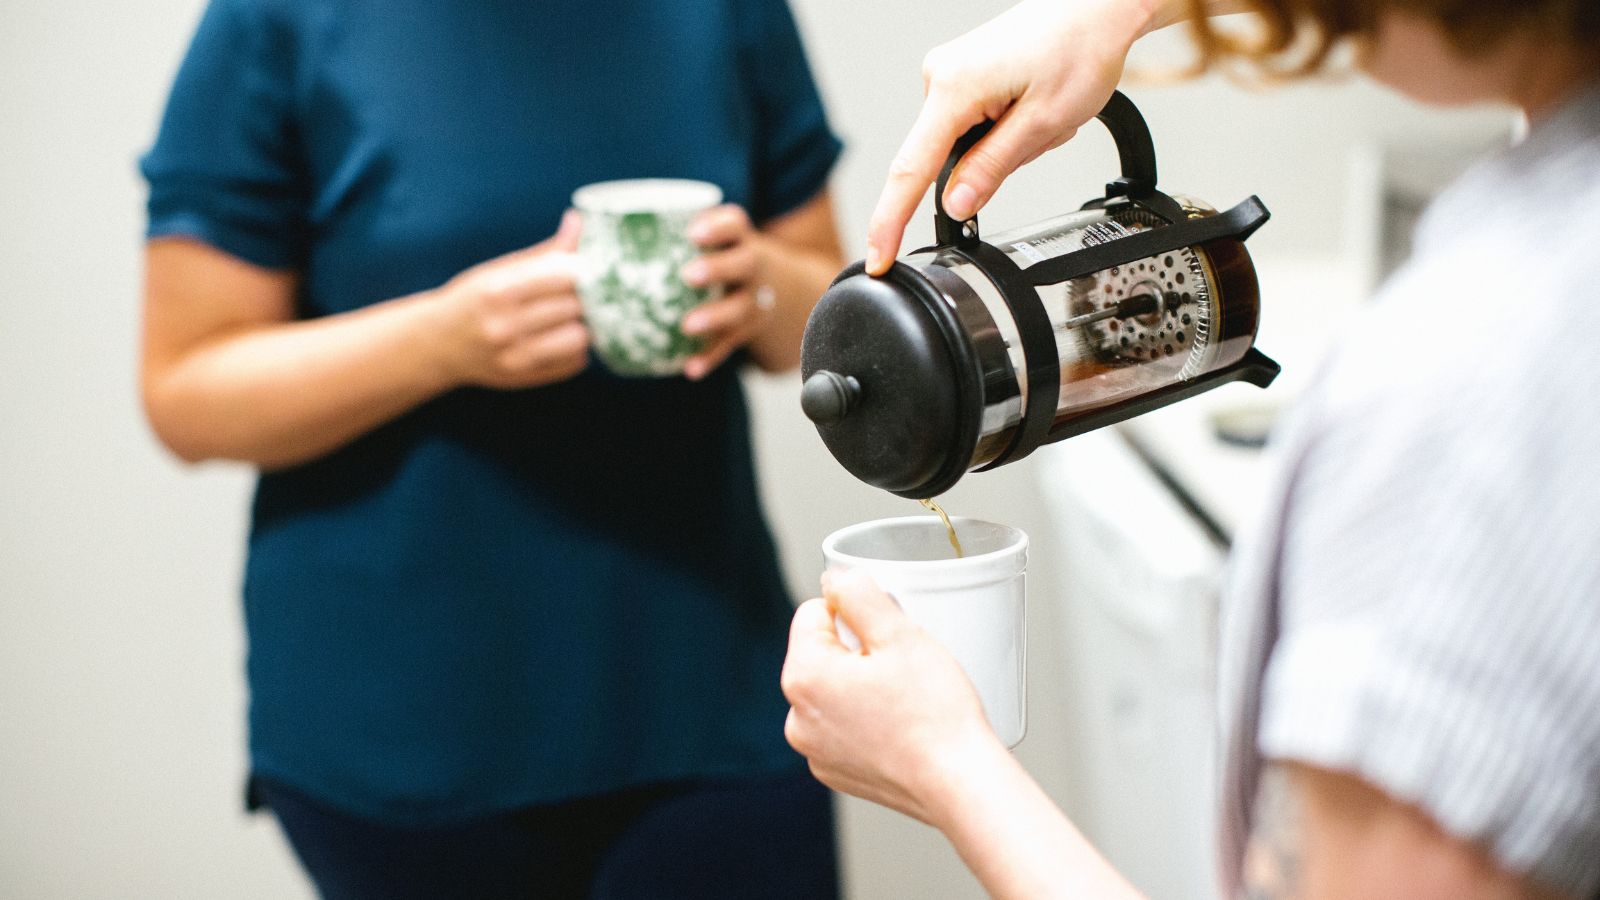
793, 732
747, 258
1033, 124
470, 294
721, 221
901, 168
562, 340
558, 310
494, 297
714, 267
985, 163
731, 217
1053, 119
799, 735
510, 361
796, 685
574, 338
494, 330
818, 770
950, 82
1047, 126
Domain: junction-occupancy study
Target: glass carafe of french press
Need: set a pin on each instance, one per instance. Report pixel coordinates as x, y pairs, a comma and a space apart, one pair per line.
972, 353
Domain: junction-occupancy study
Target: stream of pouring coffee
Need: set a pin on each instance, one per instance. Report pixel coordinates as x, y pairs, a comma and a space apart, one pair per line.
933, 506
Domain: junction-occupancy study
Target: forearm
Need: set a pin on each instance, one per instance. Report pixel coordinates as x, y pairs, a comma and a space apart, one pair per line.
1009, 833
797, 277
1159, 14
283, 393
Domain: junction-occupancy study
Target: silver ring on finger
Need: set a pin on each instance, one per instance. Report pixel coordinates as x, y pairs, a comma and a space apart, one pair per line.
766, 298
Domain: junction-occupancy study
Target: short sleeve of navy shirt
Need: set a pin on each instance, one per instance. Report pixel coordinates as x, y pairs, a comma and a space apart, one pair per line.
502, 598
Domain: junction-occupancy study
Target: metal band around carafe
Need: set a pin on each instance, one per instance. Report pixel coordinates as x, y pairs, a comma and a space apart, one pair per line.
1237, 223
968, 380
1039, 352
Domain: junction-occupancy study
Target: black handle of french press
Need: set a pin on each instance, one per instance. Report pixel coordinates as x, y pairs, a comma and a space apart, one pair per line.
948, 231
1136, 151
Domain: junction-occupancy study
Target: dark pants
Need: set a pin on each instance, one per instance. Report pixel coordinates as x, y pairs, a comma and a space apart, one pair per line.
766, 838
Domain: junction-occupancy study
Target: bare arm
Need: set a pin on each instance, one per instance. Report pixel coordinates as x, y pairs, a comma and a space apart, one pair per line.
1327, 835
794, 257
898, 723
805, 257
1013, 837
228, 373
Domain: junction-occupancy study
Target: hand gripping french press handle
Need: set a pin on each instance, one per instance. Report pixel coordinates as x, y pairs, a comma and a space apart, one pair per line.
1135, 149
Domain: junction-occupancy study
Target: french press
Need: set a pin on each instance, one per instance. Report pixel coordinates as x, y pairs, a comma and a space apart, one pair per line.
970, 354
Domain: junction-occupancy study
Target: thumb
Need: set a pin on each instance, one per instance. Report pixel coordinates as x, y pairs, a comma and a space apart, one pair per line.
873, 615
566, 236
1021, 134
565, 240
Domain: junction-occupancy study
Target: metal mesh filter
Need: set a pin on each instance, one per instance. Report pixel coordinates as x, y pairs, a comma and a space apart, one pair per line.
1179, 326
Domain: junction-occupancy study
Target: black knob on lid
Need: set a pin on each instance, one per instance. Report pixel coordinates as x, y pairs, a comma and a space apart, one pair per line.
827, 396
905, 417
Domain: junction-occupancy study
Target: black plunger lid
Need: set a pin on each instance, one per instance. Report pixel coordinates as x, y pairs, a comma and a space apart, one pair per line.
891, 381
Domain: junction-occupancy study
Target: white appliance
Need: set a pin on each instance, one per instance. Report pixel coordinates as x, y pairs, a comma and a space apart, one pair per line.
1140, 604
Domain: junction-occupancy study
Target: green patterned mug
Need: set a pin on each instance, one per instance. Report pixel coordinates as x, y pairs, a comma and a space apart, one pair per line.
634, 243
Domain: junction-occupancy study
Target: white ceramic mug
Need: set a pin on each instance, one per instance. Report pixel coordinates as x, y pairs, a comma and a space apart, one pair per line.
975, 605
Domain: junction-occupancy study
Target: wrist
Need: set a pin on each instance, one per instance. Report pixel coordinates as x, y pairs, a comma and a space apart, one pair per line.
1153, 15
437, 347
959, 777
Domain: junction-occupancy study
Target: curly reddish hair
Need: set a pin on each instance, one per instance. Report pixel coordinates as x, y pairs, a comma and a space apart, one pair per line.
1298, 36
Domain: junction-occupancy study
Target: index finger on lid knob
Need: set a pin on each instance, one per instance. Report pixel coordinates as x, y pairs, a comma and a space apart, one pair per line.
862, 606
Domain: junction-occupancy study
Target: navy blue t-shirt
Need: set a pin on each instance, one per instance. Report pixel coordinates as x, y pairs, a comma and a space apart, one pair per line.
502, 598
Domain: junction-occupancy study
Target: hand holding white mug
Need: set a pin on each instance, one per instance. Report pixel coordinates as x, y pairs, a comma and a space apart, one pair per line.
893, 722
1038, 70
515, 320
733, 257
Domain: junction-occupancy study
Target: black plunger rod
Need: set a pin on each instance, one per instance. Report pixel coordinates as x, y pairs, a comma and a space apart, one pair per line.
1137, 305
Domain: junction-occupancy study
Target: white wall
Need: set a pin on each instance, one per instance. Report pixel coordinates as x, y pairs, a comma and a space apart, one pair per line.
121, 697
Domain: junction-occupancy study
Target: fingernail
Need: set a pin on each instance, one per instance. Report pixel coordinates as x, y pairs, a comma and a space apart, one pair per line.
697, 233
694, 273
874, 260
694, 369
690, 324
962, 202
